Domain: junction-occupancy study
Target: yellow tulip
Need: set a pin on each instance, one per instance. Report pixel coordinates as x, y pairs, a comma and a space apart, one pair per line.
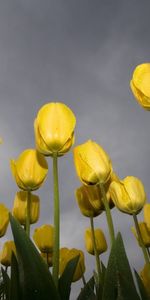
101, 244
89, 201
29, 170
147, 215
6, 253
140, 85
4, 219
92, 163
20, 207
144, 233
66, 255
48, 258
128, 195
54, 129
44, 238
145, 276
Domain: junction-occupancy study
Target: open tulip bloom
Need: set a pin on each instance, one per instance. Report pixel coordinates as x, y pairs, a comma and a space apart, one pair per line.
36, 266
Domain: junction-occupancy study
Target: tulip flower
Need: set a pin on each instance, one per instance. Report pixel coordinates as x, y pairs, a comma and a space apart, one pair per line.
20, 207
101, 244
44, 238
4, 219
6, 253
147, 215
128, 195
54, 129
66, 255
29, 170
140, 85
145, 276
48, 258
145, 234
92, 163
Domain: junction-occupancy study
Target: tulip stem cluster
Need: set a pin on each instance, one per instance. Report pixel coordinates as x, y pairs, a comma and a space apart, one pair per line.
141, 240
108, 214
56, 221
98, 263
28, 213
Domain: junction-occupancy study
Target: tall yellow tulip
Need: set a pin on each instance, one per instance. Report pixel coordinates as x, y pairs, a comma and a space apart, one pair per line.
54, 129
66, 255
20, 207
92, 163
44, 238
128, 194
6, 253
140, 85
4, 219
29, 170
101, 244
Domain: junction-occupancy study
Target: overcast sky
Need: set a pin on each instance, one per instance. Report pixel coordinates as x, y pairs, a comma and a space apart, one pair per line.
81, 53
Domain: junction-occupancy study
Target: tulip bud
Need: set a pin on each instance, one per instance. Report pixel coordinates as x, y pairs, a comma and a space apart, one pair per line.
47, 258
66, 255
20, 207
54, 129
140, 85
44, 238
6, 253
145, 276
89, 201
145, 234
101, 244
4, 219
147, 215
29, 170
92, 163
128, 195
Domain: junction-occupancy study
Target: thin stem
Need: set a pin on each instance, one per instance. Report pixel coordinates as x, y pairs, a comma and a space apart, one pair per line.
141, 240
148, 251
98, 265
83, 280
56, 221
27, 226
108, 214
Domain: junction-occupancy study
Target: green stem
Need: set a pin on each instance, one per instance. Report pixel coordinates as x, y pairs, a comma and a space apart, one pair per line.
98, 265
56, 221
141, 240
108, 214
27, 226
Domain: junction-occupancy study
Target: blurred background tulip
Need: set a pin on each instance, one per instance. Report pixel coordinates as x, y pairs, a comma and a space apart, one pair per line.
146, 211
44, 238
145, 276
101, 244
6, 253
145, 234
4, 219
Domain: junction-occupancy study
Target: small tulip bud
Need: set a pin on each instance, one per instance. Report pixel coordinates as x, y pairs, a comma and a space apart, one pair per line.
29, 170
54, 129
44, 238
144, 233
101, 244
128, 195
66, 255
4, 219
92, 163
6, 253
20, 207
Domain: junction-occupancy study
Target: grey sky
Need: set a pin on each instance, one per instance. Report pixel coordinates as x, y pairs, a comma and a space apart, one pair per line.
81, 53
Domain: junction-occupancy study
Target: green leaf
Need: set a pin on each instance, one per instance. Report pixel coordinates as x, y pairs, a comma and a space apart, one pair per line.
15, 291
87, 293
6, 281
141, 287
119, 283
36, 280
66, 278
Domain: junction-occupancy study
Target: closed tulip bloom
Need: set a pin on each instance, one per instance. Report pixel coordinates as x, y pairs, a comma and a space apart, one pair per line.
140, 85
66, 255
54, 129
101, 244
44, 238
6, 253
147, 215
20, 207
89, 201
128, 195
92, 163
48, 258
29, 170
145, 276
4, 219
144, 233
